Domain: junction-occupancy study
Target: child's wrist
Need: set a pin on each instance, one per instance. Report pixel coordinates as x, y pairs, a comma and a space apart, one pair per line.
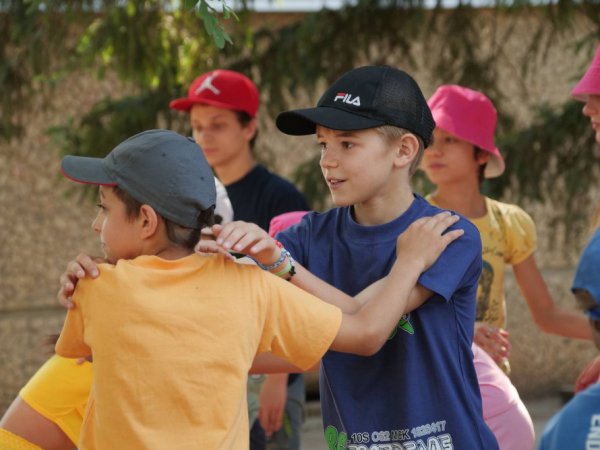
411, 263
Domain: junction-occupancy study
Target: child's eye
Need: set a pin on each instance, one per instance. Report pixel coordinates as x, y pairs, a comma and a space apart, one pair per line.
450, 140
101, 206
323, 146
346, 144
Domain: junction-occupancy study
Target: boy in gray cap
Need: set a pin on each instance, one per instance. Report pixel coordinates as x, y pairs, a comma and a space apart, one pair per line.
168, 327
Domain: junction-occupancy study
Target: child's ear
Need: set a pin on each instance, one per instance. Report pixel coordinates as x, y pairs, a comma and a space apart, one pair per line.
250, 129
148, 220
406, 148
483, 157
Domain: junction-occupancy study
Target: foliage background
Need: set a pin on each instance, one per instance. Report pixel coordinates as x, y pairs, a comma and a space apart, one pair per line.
156, 48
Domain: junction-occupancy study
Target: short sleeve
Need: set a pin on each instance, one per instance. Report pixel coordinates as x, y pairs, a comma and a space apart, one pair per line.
71, 342
520, 235
458, 266
299, 327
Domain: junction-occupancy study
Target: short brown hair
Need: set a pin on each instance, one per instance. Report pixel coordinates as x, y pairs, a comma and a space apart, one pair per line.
178, 235
244, 119
390, 133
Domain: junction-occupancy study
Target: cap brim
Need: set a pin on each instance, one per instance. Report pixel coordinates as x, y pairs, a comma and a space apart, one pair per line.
495, 166
185, 104
85, 170
302, 122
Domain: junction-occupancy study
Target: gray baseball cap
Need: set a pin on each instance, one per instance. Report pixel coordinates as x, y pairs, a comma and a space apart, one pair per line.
159, 168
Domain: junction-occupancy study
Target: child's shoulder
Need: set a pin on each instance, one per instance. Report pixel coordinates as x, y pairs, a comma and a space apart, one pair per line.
508, 211
429, 210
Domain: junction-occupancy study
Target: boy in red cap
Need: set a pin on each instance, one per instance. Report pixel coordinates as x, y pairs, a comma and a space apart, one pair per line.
222, 105
462, 156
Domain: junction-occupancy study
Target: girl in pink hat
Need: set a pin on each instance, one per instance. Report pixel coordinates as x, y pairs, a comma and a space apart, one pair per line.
462, 155
588, 91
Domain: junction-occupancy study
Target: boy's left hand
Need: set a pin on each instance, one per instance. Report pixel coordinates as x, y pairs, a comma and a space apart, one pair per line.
248, 239
423, 241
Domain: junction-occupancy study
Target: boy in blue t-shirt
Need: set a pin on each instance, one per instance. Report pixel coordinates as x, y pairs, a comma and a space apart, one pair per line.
577, 425
420, 390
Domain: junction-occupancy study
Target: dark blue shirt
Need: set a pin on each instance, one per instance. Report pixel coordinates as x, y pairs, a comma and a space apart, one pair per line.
420, 390
262, 195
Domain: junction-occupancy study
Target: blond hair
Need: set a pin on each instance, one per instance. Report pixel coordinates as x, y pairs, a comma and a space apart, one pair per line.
390, 133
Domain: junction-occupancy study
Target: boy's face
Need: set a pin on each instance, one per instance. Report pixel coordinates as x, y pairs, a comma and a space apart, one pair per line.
592, 110
449, 159
220, 134
118, 234
357, 165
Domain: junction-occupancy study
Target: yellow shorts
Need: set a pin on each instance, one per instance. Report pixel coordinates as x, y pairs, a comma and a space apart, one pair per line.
59, 391
9, 441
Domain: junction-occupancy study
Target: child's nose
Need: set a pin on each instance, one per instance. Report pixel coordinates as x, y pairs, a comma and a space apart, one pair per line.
590, 109
328, 159
96, 224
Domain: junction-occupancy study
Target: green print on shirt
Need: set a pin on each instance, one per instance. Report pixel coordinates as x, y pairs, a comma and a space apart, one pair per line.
403, 324
335, 442
486, 279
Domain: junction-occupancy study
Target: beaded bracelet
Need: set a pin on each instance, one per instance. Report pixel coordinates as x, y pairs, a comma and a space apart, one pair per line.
279, 261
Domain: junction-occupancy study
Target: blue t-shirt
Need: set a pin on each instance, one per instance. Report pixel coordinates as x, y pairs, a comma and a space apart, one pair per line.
577, 425
420, 390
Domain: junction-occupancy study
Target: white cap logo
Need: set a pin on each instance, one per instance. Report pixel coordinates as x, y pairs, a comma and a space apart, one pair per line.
207, 84
347, 98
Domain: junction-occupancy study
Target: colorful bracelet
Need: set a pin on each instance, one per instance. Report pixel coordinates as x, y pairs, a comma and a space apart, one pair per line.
279, 261
290, 269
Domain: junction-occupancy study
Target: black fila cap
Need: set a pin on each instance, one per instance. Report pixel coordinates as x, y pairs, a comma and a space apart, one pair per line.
159, 168
367, 97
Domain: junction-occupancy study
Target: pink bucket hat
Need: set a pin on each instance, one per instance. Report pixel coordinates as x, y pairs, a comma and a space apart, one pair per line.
590, 83
471, 116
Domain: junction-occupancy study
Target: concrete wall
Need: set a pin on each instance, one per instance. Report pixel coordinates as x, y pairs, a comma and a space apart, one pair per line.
42, 227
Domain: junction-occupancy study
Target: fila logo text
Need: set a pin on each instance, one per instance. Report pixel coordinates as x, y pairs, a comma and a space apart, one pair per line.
347, 98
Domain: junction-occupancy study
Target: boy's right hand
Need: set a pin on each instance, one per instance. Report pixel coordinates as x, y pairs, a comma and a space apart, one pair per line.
423, 241
77, 269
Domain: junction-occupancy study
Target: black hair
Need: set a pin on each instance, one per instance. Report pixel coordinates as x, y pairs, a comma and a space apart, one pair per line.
244, 119
178, 235
481, 174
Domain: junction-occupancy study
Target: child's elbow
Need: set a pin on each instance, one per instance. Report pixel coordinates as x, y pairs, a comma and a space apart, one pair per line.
371, 342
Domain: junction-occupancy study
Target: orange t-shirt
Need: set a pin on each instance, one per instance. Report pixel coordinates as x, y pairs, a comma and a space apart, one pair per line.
173, 342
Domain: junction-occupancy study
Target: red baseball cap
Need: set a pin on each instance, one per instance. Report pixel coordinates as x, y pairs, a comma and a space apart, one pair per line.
471, 116
223, 88
590, 83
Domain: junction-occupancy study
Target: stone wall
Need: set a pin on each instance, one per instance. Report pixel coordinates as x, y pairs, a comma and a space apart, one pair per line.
45, 223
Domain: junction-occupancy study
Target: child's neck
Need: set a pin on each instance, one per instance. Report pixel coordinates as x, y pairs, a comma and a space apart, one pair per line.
462, 197
236, 168
165, 250
384, 208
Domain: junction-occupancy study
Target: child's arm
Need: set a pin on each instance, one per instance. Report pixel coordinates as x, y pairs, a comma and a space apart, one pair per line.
547, 315
249, 239
267, 363
364, 330
418, 248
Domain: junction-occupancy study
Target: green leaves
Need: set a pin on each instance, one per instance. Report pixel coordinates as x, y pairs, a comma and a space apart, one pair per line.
214, 27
